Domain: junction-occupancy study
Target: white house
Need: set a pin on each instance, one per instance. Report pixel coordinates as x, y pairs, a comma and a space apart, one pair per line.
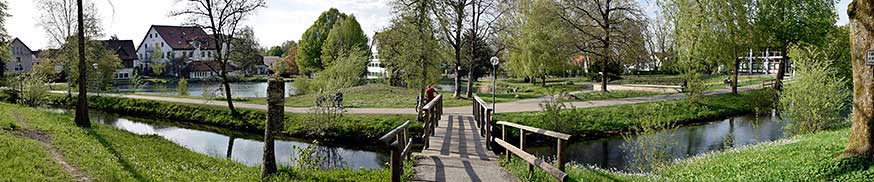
174, 42
375, 68
23, 58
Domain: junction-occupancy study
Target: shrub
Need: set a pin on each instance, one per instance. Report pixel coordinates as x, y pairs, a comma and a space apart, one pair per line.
345, 72
182, 87
817, 97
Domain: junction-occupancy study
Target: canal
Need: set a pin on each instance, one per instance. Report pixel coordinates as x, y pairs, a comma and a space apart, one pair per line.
620, 153
246, 148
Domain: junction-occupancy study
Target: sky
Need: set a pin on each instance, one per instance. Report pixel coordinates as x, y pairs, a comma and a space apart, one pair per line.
282, 20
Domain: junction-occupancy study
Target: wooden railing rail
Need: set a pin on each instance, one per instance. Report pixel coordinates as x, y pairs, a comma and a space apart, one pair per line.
562, 139
400, 143
482, 114
433, 112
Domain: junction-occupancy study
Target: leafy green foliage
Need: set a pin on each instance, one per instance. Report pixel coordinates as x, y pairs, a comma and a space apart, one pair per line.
246, 50
182, 87
95, 53
408, 46
818, 96
540, 47
345, 38
309, 49
346, 73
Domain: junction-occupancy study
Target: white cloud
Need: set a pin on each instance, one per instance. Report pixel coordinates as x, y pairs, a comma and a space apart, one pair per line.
282, 20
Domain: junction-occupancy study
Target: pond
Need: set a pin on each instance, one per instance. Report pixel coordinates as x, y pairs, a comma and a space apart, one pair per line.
238, 89
242, 147
617, 153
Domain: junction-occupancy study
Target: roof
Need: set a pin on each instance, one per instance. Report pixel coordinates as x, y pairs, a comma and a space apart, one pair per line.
181, 37
22, 43
269, 60
198, 66
123, 48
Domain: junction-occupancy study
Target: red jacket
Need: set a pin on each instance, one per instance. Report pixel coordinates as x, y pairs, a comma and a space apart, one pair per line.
430, 93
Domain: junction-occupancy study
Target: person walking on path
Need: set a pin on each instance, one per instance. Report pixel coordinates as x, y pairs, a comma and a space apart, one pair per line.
338, 99
430, 92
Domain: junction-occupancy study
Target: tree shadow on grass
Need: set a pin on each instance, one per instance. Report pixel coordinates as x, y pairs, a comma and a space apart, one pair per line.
834, 169
124, 163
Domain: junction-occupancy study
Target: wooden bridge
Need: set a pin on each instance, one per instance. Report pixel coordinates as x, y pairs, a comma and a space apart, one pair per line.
458, 147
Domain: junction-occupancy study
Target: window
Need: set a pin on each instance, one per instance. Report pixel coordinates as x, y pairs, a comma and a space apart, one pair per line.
162, 44
202, 54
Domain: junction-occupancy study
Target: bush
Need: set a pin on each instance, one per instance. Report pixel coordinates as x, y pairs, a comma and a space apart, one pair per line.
817, 97
345, 72
182, 87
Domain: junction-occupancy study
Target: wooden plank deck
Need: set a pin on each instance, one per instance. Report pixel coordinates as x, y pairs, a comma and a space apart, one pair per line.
458, 153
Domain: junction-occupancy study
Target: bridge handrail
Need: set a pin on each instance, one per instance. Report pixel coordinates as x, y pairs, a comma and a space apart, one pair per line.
433, 112
482, 114
562, 140
400, 143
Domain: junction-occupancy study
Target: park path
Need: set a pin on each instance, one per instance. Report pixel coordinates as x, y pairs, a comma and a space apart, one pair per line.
527, 105
458, 153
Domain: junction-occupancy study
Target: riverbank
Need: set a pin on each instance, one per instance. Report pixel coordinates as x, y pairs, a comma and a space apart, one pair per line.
104, 153
807, 157
344, 129
596, 122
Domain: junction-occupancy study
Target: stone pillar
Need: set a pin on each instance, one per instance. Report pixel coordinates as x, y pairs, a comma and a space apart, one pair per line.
861, 25
274, 124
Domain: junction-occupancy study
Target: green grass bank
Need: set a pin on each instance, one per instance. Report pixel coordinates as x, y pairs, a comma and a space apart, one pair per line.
104, 153
809, 157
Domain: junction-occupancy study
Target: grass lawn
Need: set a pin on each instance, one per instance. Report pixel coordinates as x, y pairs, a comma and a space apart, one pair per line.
711, 81
601, 121
807, 157
616, 94
108, 154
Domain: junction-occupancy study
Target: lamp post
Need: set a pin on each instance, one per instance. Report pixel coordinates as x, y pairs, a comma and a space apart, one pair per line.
97, 76
20, 81
495, 61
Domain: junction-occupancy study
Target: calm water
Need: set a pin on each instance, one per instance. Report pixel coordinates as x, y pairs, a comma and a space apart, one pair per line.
618, 153
240, 89
241, 147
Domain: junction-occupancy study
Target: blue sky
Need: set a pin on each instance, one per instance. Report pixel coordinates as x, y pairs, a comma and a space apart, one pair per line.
282, 20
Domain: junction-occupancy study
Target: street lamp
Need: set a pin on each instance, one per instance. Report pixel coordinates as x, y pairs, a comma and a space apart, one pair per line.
20, 81
97, 76
495, 61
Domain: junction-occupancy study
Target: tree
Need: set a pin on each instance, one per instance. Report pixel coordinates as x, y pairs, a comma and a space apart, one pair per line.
345, 38
690, 31
539, 48
289, 56
245, 52
484, 15
5, 54
733, 18
818, 95
604, 28
158, 64
310, 46
275, 51
784, 23
861, 28
346, 73
409, 46
451, 15
59, 19
96, 53
82, 119
221, 18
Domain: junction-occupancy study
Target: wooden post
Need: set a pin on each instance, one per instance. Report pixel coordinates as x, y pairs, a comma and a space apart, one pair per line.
428, 131
275, 112
559, 154
504, 137
488, 127
522, 147
397, 168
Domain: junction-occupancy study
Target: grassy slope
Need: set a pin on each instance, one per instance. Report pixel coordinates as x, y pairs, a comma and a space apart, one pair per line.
617, 94
588, 122
109, 154
802, 158
711, 81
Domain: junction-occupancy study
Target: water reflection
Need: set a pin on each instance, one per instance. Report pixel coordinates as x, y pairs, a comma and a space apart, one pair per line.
240, 89
243, 148
613, 153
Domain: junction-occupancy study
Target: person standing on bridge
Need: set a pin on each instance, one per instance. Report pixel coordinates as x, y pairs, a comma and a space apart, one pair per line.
430, 92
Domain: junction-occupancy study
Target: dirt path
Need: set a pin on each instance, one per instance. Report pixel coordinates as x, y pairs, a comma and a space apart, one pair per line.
45, 140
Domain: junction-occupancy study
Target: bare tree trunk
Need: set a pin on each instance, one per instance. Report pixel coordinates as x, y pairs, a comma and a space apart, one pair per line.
275, 115
227, 85
82, 119
781, 70
734, 69
470, 80
861, 142
604, 76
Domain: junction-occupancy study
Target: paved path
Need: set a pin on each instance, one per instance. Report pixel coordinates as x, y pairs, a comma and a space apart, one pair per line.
458, 153
527, 105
